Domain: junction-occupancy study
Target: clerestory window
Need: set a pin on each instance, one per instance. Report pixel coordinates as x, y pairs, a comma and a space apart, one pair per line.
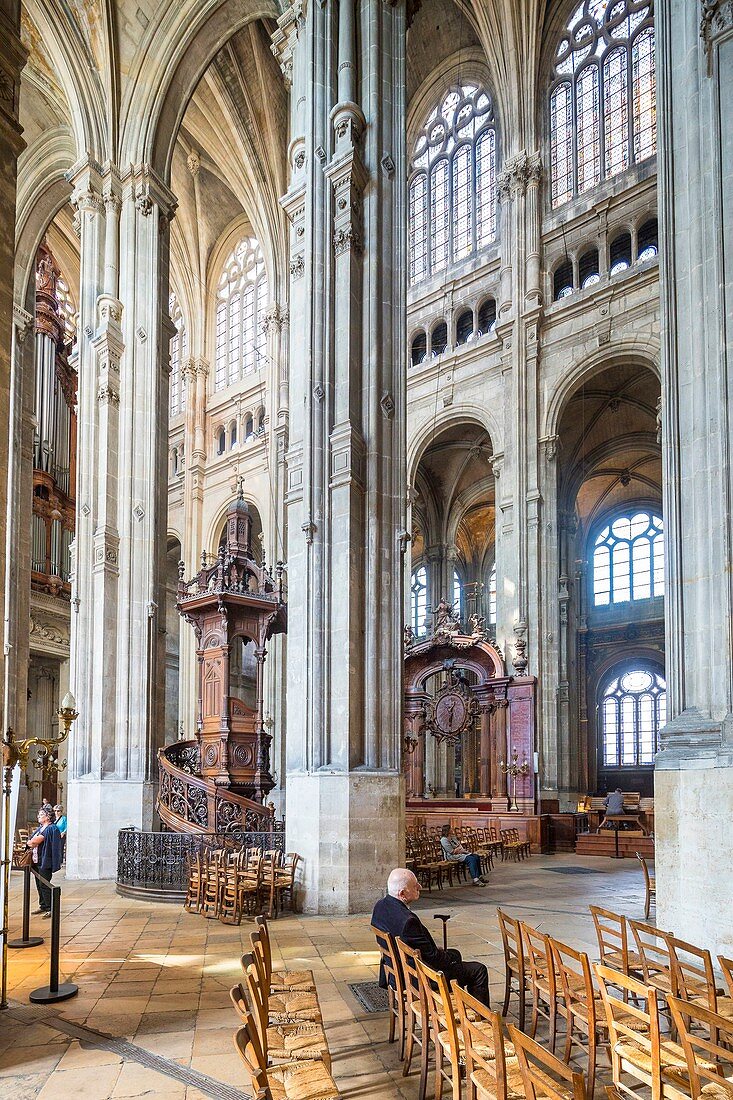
452, 186
241, 301
632, 710
419, 601
602, 96
628, 559
179, 354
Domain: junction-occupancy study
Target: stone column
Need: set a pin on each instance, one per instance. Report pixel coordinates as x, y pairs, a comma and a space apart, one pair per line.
12, 60
194, 375
346, 458
694, 770
119, 579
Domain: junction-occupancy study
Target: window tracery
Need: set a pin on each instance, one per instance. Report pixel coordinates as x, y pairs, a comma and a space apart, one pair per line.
602, 96
628, 560
241, 301
419, 601
178, 356
452, 187
632, 710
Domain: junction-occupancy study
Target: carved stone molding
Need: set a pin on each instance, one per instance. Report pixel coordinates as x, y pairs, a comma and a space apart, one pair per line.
716, 22
297, 267
521, 172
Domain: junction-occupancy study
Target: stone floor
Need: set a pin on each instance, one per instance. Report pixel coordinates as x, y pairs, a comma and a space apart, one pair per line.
158, 978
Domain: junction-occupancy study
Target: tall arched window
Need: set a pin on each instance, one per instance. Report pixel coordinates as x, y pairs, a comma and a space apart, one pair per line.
419, 601
632, 707
603, 95
179, 354
457, 594
628, 559
452, 187
241, 300
492, 594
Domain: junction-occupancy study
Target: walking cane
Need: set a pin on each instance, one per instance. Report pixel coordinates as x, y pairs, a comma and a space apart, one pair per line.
445, 917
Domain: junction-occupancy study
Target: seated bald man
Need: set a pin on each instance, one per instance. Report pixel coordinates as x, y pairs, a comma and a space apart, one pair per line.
392, 914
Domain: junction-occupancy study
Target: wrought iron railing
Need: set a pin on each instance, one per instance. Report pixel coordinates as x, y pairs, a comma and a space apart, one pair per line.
189, 803
156, 864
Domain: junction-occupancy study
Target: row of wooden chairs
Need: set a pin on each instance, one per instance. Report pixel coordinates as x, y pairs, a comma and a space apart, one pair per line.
426, 857
467, 1041
228, 884
281, 1038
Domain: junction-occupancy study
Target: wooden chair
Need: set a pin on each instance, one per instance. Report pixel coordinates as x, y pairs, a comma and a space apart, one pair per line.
693, 978
491, 1070
395, 985
280, 1042
514, 969
580, 1004
444, 1030
194, 891
650, 884
703, 1047
653, 947
284, 1007
213, 881
542, 982
291, 1081
513, 846
726, 965
285, 881
613, 942
417, 1026
637, 1047
230, 906
282, 980
544, 1075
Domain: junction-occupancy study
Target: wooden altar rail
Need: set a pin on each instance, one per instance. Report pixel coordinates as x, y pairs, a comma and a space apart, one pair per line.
188, 803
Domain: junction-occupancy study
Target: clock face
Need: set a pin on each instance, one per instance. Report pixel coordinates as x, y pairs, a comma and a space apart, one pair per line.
450, 713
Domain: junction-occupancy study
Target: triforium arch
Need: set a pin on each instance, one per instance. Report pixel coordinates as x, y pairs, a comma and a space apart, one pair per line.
610, 567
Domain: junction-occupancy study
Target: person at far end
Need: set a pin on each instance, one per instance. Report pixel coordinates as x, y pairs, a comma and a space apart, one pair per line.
454, 852
393, 914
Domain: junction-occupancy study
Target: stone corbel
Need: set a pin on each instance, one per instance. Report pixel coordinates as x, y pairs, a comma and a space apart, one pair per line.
22, 322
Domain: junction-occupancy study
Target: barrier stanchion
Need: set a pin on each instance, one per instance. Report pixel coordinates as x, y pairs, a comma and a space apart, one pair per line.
26, 940
49, 994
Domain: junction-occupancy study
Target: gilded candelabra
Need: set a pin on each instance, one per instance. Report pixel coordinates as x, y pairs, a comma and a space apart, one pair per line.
16, 752
514, 769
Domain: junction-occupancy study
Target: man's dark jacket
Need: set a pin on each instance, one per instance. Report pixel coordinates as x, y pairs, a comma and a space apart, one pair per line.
392, 915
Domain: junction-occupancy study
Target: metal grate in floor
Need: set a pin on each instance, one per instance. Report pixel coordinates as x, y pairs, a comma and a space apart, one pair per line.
573, 871
370, 996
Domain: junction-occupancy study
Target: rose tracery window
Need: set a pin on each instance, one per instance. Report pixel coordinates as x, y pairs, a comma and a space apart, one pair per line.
452, 187
628, 560
602, 96
241, 300
178, 354
632, 710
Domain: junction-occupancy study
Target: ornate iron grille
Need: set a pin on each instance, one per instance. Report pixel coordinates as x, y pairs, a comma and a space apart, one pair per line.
159, 861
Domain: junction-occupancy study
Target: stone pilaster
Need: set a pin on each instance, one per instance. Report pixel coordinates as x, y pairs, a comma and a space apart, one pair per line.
118, 586
12, 60
346, 455
694, 770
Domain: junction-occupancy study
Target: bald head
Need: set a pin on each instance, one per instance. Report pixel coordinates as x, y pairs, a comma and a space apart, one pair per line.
402, 884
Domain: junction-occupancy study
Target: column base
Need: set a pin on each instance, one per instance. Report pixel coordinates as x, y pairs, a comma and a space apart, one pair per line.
350, 830
693, 810
97, 810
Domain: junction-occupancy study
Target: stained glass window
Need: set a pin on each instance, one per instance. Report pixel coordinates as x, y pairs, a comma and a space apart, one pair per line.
452, 188
241, 300
179, 355
632, 710
628, 560
457, 594
603, 95
419, 601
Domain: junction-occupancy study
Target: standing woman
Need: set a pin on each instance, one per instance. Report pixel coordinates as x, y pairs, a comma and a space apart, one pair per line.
47, 845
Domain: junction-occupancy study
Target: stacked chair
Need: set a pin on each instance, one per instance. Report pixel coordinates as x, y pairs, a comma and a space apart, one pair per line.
228, 884
280, 1038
